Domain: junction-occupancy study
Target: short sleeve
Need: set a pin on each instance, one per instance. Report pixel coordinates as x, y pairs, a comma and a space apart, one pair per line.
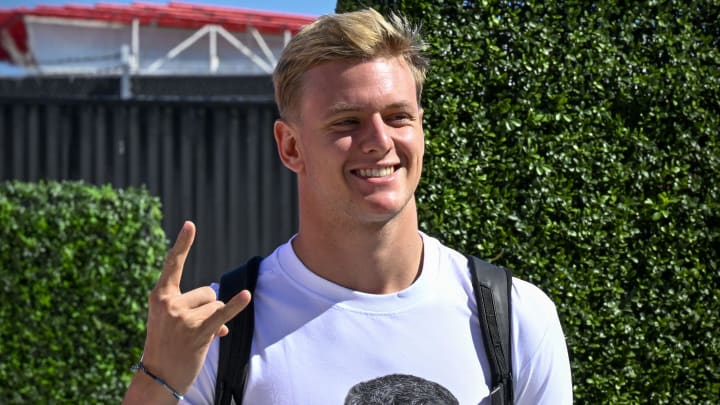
541, 366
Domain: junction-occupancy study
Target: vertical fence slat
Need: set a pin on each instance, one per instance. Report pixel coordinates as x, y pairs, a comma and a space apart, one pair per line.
100, 152
237, 231
18, 134
67, 116
83, 150
52, 143
34, 147
201, 193
220, 186
252, 174
152, 157
134, 161
5, 137
185, 178
119, 147
171, 207
267, 181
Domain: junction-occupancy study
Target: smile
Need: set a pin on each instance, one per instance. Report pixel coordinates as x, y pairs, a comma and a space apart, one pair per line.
381, 172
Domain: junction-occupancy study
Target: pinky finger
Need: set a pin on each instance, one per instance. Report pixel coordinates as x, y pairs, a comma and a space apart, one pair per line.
225, 313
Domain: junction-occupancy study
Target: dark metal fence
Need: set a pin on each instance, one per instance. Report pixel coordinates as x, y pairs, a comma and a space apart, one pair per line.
211, 162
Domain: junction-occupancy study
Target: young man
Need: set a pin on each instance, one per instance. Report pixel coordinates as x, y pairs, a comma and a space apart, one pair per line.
359, 294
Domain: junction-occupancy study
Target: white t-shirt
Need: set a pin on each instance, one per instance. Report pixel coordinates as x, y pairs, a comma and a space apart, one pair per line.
315, 340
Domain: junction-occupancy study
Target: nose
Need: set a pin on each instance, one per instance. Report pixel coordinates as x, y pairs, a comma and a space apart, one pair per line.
377, 137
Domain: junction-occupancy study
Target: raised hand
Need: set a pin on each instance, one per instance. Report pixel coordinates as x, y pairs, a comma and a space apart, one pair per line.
180, 327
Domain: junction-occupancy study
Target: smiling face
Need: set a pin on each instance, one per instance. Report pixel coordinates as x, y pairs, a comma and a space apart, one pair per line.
355, 142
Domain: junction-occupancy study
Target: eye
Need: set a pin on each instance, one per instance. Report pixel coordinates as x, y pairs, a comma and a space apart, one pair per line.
400, 118
345, 124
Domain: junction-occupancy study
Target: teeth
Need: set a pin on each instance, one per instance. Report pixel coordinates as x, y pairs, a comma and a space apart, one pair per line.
386, 171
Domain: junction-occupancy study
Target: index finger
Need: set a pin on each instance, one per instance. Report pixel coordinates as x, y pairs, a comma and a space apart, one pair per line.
169, 281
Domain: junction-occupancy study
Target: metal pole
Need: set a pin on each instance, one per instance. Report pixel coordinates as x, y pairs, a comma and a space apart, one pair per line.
125, 84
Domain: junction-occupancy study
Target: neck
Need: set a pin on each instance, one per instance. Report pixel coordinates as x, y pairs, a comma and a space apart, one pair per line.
377, 258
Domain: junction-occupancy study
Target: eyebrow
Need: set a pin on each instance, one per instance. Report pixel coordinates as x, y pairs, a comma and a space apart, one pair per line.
342, 107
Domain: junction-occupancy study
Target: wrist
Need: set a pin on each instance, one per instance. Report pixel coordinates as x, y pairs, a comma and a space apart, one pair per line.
149, 387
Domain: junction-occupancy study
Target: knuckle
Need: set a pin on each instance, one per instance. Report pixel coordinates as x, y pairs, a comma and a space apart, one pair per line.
171, 260
154, 297
174, 309
157, 300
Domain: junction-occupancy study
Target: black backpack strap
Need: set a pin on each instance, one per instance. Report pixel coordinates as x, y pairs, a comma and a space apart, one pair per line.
234, 359
493, 285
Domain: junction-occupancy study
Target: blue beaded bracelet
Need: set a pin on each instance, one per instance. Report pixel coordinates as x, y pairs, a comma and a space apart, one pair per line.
140, 366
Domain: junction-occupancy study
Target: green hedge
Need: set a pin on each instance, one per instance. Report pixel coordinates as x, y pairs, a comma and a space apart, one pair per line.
577, 143
76, 265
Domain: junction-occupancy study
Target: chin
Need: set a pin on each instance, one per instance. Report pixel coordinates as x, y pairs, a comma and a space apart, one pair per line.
384, 211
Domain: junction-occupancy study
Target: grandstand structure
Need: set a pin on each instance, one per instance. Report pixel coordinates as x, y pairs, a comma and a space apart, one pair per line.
143, 39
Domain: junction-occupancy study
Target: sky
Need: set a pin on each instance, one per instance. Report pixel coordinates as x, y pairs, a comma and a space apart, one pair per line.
311, 7
308, 7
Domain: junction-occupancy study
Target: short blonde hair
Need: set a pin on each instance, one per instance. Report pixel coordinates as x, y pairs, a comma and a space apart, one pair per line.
358, 35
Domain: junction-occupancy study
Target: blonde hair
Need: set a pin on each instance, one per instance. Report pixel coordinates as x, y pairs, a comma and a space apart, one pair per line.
359, 35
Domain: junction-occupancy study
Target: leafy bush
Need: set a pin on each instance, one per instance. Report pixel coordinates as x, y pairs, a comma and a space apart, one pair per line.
577, 143
76, 265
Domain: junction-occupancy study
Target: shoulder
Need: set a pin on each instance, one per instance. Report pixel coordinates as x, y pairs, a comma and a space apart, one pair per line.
541, 366
534, 316
531, 307
540, 362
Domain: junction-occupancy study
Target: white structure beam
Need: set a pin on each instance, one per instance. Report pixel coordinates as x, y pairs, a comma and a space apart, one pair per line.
267, 67
263, 45
179, 48
135, 46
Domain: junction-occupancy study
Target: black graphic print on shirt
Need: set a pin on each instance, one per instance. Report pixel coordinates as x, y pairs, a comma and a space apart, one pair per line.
399, 389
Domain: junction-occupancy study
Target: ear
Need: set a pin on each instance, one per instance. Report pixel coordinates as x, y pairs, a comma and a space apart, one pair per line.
288, 145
